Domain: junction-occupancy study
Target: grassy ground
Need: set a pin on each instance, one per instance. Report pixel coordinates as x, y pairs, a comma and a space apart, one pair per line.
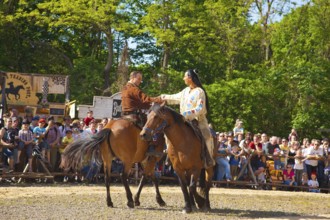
73, 201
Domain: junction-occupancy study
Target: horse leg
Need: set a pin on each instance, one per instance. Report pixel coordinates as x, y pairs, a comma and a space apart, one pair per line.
124, 177
137, 195
208, 179
193, 193
149, 173
159, 198
107, 185
107, 162
183, 184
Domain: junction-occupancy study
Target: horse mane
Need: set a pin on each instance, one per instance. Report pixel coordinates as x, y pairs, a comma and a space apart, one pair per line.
178, 118
158, 109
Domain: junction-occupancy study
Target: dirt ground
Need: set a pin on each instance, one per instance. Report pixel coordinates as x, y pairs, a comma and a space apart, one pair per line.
78, 201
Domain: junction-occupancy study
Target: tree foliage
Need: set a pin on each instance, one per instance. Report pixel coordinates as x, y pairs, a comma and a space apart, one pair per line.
271, 71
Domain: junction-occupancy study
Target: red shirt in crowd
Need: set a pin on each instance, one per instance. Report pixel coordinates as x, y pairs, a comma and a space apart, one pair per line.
252, 145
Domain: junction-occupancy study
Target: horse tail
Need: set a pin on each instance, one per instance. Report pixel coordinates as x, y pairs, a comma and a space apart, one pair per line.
84, 149
202, 183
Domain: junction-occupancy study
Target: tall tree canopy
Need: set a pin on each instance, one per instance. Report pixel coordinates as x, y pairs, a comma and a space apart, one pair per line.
263, 61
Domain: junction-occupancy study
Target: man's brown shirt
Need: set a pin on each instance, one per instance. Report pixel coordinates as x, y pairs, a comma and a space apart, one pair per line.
134, 99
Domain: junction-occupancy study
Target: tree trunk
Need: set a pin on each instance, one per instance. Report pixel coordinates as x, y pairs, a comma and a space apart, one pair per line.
108, 66
166, 56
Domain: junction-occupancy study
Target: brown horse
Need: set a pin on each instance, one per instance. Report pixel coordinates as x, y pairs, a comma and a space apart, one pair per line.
184, 151
118, 139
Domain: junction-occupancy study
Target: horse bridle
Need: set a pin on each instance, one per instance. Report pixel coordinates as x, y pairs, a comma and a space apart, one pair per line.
159, 129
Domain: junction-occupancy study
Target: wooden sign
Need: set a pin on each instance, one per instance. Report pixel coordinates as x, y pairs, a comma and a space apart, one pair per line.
19, 91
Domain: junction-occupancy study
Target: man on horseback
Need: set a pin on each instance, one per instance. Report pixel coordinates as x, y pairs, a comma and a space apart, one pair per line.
194, 106
134, 100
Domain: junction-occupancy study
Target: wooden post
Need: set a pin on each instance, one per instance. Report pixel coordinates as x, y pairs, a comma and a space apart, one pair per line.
248, 164
24, 171
3, 104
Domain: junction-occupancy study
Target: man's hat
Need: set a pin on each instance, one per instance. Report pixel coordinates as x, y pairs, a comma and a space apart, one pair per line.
36, 118
25, 122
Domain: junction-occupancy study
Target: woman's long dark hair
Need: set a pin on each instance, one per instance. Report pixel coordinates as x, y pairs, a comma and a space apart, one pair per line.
195, 78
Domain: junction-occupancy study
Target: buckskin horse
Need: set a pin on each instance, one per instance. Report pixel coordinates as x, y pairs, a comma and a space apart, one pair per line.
120, 139
184, 150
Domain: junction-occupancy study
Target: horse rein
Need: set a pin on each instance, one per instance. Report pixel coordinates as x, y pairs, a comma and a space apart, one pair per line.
159, 129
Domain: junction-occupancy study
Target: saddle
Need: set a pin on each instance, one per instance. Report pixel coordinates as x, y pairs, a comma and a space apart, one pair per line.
137, 120
205, 155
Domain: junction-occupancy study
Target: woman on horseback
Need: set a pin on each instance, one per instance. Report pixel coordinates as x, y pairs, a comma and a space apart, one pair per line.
194, 106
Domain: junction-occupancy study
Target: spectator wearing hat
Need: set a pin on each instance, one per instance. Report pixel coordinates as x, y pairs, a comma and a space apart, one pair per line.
52, 137
26, 142
34, 122
92, 128
39, 133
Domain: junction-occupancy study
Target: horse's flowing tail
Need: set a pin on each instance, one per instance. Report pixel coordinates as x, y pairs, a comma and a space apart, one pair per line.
83, 150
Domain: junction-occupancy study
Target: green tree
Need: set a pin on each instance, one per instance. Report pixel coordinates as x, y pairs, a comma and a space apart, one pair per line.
94, 17
300, 53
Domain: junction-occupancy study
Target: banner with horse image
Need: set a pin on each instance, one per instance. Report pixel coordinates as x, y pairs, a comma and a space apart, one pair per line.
21, 88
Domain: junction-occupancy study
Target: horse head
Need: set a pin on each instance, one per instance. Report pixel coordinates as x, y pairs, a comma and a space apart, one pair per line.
156, 121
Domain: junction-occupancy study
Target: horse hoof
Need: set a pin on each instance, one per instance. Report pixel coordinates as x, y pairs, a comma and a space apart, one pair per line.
130, 204
160, 202
194, 208
110, 204
137, 203
186, 211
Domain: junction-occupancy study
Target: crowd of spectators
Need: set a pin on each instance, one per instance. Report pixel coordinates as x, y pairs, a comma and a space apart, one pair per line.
304, 163
299, 164
41, 134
